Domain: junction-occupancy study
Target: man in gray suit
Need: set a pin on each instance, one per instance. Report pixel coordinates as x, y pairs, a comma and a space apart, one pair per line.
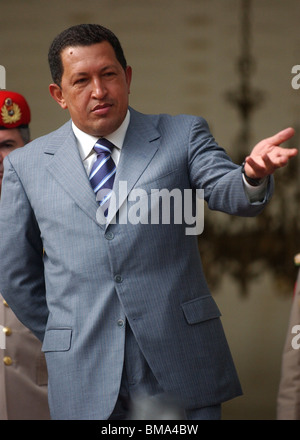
120, 302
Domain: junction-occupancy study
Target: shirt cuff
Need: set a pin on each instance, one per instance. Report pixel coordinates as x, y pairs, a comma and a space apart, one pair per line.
256, 194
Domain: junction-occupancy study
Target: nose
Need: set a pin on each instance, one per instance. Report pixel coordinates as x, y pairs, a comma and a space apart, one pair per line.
99, 89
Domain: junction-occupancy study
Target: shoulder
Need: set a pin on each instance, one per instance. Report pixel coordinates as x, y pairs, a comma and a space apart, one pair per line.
168, 119
179, 125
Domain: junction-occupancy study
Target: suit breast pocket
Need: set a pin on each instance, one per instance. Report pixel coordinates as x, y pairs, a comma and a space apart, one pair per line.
169, 180
200, 309
57, 339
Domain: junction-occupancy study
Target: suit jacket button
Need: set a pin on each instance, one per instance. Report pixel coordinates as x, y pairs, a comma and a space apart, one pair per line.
109, 235
118, 279
7, 360
7, 331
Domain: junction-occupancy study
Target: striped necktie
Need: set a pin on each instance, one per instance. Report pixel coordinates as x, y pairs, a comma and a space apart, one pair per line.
103, 172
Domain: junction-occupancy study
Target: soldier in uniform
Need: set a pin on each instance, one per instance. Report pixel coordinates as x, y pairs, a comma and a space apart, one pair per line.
288, 399
23, 371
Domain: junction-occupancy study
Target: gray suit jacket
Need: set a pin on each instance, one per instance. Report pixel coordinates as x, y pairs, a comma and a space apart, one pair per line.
92, 275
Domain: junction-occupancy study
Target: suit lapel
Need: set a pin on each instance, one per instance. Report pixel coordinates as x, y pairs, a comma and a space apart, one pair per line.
140, 145
67, 168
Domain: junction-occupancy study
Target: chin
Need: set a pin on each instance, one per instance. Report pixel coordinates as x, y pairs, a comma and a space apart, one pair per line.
102, 131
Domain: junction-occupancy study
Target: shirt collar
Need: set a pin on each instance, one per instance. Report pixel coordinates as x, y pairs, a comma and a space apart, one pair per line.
86, 142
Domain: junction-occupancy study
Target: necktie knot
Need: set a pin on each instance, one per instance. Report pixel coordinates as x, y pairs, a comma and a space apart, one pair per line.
103, 146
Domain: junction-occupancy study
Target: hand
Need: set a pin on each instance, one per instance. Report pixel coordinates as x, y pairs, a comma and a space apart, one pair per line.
267, 155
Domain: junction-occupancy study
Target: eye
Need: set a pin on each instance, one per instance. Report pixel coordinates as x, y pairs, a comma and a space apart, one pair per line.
109, 74
80, 81
7, 145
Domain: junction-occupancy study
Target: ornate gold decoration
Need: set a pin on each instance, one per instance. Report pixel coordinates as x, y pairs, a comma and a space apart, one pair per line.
10, 112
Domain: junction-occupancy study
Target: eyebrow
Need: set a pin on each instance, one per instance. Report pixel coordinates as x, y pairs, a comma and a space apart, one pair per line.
102, 69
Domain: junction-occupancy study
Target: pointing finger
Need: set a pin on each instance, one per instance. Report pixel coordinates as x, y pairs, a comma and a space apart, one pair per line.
281, 136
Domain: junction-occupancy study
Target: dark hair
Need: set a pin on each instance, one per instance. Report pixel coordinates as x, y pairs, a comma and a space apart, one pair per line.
81, 35
24, 131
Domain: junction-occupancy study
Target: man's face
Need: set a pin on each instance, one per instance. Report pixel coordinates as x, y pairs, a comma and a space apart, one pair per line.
94, 88
9, 140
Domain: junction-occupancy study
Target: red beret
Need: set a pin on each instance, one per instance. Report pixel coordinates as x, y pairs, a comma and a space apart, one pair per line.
14, 110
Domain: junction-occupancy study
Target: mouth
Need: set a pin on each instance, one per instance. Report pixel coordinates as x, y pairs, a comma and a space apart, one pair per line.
101, 109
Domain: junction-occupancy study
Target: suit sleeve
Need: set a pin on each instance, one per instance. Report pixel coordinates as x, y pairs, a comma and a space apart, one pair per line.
211, 169
21, 253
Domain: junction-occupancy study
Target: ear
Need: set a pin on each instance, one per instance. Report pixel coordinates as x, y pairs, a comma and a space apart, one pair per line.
128, 75
57, 94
